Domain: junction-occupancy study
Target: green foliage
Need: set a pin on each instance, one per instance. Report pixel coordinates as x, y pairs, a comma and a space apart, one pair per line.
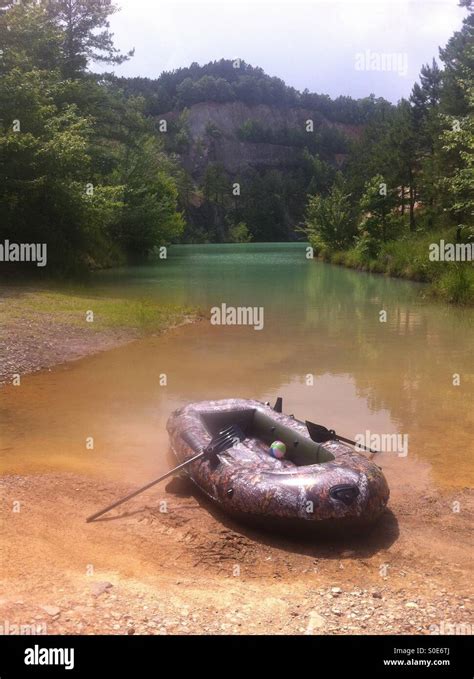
28, 39
213, 131
329, 221
322, 174
376, 206
421, 153
85, 167
83, 26
80, 167
458, 58
326, 141
149, 216
269, 202
240, 233
407, 257
458, 143
226, 81
456, 285
207, 88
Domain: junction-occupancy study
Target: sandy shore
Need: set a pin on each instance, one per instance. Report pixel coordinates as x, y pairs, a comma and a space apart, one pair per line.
34, 339
191, 570
30, 345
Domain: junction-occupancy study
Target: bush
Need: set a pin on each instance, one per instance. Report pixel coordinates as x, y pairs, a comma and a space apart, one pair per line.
239, 233
329, 222
456, 284
409, 258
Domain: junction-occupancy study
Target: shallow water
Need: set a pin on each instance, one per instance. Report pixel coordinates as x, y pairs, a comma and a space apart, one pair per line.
320, 320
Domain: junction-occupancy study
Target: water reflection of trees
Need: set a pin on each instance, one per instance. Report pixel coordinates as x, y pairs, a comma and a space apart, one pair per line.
404, 365
323, 319
328, 322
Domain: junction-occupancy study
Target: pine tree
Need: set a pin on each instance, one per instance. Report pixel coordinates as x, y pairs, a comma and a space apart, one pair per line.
86, 36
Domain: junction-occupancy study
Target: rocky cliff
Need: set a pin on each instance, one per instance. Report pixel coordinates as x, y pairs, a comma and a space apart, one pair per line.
214, 133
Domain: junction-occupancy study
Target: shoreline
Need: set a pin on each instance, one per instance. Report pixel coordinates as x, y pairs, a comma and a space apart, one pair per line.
452, 291
193, 570
410, 259
342, 259
40, 329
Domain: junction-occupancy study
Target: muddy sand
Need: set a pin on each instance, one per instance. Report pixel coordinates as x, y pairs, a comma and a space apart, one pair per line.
170, 563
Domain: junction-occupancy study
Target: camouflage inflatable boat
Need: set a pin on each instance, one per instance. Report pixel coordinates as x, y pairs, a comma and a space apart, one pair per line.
319, 484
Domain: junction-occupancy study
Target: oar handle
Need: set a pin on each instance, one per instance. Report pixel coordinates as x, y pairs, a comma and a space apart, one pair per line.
140, 490
218, 444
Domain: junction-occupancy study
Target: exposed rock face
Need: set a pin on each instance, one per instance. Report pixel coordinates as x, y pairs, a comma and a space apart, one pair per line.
228, 117
234, 154
259, 148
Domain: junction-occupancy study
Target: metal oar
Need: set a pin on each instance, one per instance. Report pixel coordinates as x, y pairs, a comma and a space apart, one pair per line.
321, 434
224, 440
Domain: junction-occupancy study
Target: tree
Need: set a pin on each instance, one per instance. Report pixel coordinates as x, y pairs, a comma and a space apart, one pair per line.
28, 38
239, 233
427, 93
404, 157
85, 36
457, 106
150, 196
44, 168
81, 169
322, 174
376, 206
458, 59
458, 142
329, 220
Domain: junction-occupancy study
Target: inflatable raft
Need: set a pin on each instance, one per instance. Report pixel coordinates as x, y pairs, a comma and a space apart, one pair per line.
319, 484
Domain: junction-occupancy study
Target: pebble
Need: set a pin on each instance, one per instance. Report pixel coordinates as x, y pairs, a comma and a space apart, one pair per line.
98, 588
51, 610
316, 621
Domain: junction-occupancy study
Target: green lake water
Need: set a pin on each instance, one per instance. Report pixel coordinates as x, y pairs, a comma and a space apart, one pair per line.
323, 348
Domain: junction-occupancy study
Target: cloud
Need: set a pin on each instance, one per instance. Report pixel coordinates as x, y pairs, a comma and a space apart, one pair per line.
308, 43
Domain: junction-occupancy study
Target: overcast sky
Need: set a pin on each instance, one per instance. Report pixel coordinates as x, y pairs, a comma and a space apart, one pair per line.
328, 46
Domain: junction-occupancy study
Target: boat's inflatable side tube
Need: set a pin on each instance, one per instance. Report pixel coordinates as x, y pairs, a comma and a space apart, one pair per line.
192, 441
338, 484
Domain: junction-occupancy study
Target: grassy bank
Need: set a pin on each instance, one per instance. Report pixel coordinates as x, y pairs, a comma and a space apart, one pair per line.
408, 258
143, 316
41, 329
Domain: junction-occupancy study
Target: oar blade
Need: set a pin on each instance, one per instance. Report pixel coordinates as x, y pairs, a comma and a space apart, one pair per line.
318, 433
226, 439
